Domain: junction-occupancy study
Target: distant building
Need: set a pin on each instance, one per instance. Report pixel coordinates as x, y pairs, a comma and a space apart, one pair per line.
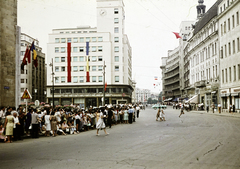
33, 78
107, 43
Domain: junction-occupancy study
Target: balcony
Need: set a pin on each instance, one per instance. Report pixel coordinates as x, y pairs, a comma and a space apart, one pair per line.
201, 83
168, 82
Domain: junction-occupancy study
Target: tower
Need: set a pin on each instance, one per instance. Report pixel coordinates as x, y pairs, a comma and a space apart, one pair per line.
200, 9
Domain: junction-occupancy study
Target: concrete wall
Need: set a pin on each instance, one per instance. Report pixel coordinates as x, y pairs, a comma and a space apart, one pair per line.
8, 22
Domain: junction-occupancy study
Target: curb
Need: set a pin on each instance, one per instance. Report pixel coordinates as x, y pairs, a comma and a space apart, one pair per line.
236, 115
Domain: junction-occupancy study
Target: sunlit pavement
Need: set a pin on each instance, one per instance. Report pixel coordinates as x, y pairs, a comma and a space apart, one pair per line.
195, 140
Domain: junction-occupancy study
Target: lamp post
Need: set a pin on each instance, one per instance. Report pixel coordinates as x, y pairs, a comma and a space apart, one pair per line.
51, 64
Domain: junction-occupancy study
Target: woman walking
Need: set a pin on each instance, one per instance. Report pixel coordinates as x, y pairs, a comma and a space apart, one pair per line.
100, 124
125, 116
8, 126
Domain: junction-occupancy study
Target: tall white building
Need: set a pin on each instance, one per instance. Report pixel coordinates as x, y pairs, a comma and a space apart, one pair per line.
107, 43
229, 35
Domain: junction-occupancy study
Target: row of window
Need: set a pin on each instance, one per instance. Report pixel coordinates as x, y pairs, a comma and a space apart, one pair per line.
230, 23
202, 76
82, 79
83, 49
83, 59
81, 68
82, 39
230, 48
227, 74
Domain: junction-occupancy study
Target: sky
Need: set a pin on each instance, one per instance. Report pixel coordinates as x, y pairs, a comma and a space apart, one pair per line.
148, 24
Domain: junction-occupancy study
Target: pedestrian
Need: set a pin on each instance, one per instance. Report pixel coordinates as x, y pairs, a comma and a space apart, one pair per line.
138, 110
8, 126
130, 117
125, 116
162, 115
207, 108
109, 117
16, 126
47, 123
28, 122
182, 111
230, 108
100, 124
158, 114
213, 107
34, 123
53, 120
233, 108
219, 108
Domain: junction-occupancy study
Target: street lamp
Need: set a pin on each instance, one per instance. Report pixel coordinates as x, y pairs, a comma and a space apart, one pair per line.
51, 64
35, 94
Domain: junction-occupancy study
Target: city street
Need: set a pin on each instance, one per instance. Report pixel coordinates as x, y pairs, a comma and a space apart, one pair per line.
195, 140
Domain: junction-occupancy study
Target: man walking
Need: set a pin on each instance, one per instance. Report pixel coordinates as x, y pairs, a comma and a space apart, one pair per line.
130, 112
138, 110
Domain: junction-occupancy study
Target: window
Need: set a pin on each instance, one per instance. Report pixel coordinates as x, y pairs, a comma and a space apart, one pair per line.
84, 31
63, 68
116, 30
69, 39
225, 48
116, 78
81, 49
56, 59
221, 29
22, 90
237, 15
63, 50
56, 79
116, 49
222, 76
22, 71
100, 79
57, 40
100, 68
234, 73
100, 39
116, 39
94, 68
229, 48
62, 59
75, 59
116, 20
87, 39
94, 58
75, 40
238, 45
81, 68
63, 40
94, 39
115, 10
230, 74
26, 80
229, 26
81, 58
99, 58
99, 48
94, 48
56, 49
116, 68
94, 78
22, 53
62, 79
75, 68
81, 79
224, 27
56, 69
81, 39
238, 71
75, 49
226, 75
233, 45
75, 79
233, 21
116, 58
22, 80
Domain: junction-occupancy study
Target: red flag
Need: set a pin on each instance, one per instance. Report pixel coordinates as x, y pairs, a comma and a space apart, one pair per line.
69, 61
105, 88
177, 35
26, 56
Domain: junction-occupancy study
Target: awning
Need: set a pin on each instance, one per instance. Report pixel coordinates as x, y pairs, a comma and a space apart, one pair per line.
176, 99
213, 92
234, 94
194, 99
223, 95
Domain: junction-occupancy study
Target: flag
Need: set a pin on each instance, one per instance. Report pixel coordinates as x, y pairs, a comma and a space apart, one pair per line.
155, 78
87, 52
33, 50
26, 56
105, 88
69, 61
177, 35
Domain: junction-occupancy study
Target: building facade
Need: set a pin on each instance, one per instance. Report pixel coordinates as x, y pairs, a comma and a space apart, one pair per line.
229, 35
33, 78
8, 32
107, 44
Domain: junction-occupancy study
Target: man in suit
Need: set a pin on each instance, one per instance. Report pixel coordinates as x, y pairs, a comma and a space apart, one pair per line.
130, 117
34, 123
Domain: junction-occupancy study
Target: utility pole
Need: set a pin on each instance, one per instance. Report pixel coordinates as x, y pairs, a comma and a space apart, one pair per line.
103, 101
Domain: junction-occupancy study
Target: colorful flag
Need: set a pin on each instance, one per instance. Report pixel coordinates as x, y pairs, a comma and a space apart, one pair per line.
33, 50
69, 61
155, 78
87, 52
26, 56
177, 35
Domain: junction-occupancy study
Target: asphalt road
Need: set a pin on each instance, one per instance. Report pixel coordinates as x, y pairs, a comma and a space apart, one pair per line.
196, 140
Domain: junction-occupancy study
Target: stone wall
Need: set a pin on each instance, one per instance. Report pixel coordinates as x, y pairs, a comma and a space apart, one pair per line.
8, 22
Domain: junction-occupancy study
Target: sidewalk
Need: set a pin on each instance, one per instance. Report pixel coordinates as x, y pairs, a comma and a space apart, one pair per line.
217, 114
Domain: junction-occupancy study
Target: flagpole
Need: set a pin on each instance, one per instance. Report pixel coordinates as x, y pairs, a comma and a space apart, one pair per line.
103, 102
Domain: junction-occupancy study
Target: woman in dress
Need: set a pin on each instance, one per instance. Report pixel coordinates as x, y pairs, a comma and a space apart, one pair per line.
47, 123
8, 126
53, 120
100, 123
125, 116
115, 112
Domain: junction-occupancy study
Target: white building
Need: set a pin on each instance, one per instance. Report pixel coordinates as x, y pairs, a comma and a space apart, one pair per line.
142, 95
107, 43
229, 34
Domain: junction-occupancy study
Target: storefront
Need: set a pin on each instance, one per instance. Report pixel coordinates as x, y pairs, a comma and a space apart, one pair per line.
235, 98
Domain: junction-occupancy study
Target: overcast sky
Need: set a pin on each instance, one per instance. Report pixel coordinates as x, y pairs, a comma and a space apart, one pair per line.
149, 25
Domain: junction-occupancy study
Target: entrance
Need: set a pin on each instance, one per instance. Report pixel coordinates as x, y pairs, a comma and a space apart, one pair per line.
91, 102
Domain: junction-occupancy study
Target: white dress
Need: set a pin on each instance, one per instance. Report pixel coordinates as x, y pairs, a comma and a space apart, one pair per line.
47, 122
100, 123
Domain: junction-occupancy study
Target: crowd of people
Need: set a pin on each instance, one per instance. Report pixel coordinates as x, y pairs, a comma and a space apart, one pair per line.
47, 121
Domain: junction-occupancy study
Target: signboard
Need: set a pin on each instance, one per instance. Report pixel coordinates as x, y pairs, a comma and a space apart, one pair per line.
26, 95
